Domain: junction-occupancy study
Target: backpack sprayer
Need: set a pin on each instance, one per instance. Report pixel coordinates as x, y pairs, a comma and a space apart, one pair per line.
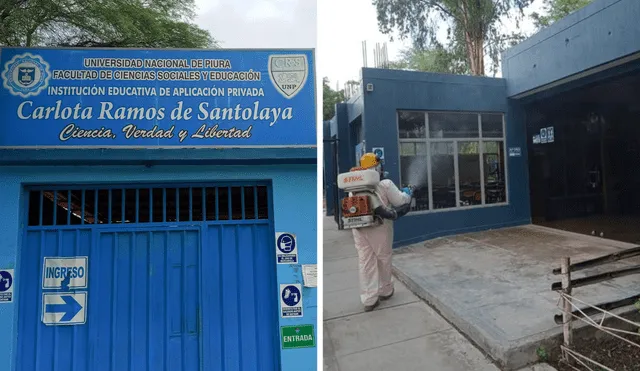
363, 207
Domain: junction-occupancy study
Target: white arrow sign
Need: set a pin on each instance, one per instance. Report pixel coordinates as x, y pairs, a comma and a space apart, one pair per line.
65, 308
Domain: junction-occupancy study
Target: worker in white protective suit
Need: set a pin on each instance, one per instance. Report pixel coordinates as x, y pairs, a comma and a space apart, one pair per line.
374, 244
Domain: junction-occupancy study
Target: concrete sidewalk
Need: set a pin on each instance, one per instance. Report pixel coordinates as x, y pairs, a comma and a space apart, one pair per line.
495, 286
403, 333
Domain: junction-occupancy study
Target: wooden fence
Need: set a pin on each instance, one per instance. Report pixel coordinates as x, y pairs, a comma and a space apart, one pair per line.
571, 309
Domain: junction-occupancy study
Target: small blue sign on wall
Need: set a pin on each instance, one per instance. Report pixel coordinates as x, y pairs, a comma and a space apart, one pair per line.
290, 300
515, 152
543, 135
6, 285
550, 135
286, 248
157, 98
379, 151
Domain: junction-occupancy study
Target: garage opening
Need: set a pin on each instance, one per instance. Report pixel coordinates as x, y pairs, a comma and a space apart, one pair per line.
584, 156
177, 278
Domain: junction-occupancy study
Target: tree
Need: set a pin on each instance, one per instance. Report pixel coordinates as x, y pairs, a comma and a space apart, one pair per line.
101, 23
556, 10
330, 98
437, 59
473, 25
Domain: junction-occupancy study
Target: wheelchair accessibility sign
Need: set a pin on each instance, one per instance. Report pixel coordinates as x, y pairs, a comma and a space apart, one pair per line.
286, 248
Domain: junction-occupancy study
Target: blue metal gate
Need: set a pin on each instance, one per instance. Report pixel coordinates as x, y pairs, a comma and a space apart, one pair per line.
179, 278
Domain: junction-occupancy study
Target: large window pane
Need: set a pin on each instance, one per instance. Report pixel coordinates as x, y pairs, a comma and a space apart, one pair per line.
492, 126
469, 173
442, 175
453, 125
413, 171
411, 124
494, 179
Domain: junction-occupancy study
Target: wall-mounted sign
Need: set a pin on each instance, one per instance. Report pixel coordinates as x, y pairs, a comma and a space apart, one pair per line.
550, 135
310, 275
156, 98
379, 151
543, 135
515, 152
65, 308
6, 285
536, 139
65, 273
290, 300
286, 248
301, 336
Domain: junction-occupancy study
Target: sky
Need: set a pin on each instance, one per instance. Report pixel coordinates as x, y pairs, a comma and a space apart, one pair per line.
340, 36
260, 23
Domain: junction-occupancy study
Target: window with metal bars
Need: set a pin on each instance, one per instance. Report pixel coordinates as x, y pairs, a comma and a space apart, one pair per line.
62, 207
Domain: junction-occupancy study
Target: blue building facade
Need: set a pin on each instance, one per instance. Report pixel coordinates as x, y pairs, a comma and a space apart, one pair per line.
465, 141
139, 240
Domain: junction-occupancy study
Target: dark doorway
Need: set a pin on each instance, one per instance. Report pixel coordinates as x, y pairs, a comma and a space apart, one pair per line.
584, 171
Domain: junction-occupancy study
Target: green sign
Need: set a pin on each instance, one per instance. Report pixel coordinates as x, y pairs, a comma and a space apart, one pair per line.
297, 337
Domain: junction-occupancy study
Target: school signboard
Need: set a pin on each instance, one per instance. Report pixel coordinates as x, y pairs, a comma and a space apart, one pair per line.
156, 98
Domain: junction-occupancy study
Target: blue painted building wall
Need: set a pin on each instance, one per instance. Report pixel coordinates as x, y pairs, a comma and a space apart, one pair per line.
403, 90
328, 167
345, 143
601, 32
595, 43
293, 184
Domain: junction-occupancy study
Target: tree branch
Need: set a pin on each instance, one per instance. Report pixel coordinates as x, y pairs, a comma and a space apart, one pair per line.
436, 4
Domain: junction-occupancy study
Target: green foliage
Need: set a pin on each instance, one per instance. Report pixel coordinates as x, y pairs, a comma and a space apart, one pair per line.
101, 23
542, 354
556, 10
330, 98
473, 26
437, 59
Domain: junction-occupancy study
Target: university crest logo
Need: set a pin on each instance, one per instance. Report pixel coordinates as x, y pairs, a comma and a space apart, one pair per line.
288, 73
26, 75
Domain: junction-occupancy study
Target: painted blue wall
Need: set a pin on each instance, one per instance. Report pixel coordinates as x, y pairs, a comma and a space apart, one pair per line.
210, 156
404, 90
328, 163
345, 152
292, 185
601, 32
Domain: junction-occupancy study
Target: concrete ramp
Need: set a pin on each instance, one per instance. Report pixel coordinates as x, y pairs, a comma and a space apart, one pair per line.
495, 286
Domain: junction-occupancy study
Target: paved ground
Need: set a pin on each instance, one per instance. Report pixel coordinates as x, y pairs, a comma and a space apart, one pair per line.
616, 227
402, 334
495, 286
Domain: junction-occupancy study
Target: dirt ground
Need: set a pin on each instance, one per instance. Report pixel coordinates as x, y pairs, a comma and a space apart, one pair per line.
614, 353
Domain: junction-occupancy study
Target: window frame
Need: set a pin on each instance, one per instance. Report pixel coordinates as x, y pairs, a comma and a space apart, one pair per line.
455, 140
